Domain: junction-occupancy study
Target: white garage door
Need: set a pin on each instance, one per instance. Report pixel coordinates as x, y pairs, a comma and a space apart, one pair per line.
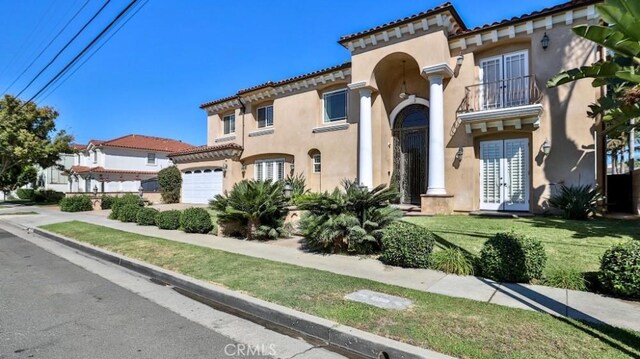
200, 186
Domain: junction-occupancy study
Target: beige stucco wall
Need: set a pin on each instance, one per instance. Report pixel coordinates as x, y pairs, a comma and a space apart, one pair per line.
564, 121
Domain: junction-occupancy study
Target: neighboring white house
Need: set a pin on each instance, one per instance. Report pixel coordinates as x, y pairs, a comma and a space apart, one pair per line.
120, 164
56, 178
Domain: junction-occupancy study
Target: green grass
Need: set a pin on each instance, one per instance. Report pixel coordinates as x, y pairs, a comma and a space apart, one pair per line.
570, 245
458, 327
17, 213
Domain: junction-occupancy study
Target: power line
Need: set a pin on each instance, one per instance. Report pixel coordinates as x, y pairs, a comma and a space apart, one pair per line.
28, 41
48, 45
63, 80
65, 46
87, 48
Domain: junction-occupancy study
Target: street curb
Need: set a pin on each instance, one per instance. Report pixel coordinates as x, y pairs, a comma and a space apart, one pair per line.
341, 336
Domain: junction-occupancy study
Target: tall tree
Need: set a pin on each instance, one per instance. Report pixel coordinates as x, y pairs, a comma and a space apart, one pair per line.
28, 137
620, 71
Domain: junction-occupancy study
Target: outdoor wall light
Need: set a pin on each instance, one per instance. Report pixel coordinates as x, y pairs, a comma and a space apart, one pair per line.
225, 166
459, 153
546, 147
292, 168
140, 191
287, 191
243, 169
460, 60
95, 190
545, 41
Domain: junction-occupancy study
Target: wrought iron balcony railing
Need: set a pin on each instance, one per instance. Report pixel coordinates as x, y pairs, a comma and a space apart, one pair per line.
514, 92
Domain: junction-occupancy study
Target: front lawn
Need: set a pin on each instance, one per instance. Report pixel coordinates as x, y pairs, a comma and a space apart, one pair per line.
569, 244
459, 327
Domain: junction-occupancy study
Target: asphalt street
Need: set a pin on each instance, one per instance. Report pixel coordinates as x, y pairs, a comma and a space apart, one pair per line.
51, 308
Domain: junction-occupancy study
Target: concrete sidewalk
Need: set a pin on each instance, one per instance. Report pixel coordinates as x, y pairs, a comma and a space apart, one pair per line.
556, 301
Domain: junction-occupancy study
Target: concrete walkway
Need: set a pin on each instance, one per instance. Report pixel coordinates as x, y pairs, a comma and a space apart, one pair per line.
559, 302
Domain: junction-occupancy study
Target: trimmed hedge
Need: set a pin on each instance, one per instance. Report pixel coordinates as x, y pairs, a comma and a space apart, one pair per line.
512, 257
147, 216
25, 193
128, 212
47, 196
196, 220
80, 203
168, 219
120, 202
407, 245
170, 181
620, 269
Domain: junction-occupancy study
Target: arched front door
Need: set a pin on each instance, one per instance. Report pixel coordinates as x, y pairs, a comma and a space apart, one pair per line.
410, 136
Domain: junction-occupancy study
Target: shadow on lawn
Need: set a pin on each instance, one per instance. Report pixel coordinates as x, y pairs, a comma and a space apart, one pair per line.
605, 333
600, 227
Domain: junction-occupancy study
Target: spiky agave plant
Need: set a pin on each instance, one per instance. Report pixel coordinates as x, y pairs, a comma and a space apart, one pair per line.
576, 202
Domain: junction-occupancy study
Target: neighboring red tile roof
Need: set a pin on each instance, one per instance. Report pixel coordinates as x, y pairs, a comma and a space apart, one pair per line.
77, 146
438, 9
141, 142
343, 66
205, 148
525, 17
80, 169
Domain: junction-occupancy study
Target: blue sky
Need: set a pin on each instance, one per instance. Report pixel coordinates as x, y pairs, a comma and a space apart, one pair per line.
151, 77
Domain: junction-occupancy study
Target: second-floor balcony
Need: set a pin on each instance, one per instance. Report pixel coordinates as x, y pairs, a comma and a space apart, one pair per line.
509, 102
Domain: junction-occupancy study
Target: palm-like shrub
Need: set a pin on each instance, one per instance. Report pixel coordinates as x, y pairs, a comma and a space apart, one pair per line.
298, 186
259, 206
351, 220
576, 202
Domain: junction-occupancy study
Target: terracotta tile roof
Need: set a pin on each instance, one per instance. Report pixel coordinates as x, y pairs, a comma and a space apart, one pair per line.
543, 12
79, 169
142, 142
438, 9
77, 146
205, 148
343, 66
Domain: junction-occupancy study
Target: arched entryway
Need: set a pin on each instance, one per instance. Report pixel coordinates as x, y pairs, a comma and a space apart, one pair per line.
410, 139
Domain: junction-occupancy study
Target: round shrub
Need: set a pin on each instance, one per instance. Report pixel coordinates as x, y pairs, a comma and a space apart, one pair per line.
196, 220
168, 219
511, 257
406, 245
147, 216
120, 202
620, 269
128, 212
106, 202
170, 181
76, 204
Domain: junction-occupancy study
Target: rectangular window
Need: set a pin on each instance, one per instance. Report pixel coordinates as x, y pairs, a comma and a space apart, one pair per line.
269, 170
94, 156
335, 106
265, 116
317, 166
151, 158
229, 123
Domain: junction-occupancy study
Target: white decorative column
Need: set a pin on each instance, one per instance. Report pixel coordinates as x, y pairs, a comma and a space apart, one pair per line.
365, 130
436, 74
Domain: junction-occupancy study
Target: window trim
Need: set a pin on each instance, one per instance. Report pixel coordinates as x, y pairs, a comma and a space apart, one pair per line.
94, 156
317, 163
265, 120
324, 100
224, 119
275, 168
155, 159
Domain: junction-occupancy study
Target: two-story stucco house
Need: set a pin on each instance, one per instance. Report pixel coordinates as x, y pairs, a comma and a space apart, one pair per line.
458, 119
120, 164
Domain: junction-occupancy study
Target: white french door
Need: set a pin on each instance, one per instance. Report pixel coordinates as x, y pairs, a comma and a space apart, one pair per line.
504, 175
504, 81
